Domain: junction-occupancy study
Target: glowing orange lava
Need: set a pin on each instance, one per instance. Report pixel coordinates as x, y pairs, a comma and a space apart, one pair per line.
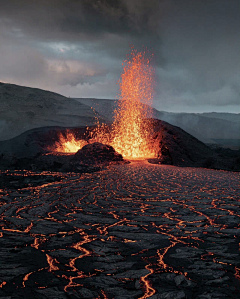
130, 134
131, 129
68, 143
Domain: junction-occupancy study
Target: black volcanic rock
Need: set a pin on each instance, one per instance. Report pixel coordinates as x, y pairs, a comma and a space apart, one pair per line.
96, 152
181, 148
177, 147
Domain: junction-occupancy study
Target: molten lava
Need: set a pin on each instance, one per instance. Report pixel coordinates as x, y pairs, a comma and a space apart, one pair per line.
68, 143
131, 131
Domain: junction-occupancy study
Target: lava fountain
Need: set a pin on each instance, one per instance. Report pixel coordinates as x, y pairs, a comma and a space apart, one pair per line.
68, 143
131, 127
131, 132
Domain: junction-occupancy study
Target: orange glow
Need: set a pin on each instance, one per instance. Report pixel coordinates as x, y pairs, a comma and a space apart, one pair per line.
68, 143
25, 278
51, 261
3, 284
149, 290
131, 129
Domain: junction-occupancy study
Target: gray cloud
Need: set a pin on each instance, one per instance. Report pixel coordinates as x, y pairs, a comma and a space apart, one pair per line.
78, 47
75, 72
201, 46
20, 61
84, 16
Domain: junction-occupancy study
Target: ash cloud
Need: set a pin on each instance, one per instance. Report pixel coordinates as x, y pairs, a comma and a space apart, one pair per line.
80, 45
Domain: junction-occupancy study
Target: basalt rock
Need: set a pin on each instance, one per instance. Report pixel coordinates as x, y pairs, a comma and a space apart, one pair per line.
96, 153
178, 148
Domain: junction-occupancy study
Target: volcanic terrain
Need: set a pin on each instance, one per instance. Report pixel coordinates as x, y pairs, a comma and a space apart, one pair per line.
136, 230
94, 225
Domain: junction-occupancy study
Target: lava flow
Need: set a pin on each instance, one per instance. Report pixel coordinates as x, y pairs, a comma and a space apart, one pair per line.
130, 134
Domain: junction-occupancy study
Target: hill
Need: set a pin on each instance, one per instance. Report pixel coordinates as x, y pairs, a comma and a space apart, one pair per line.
234, 117
23, 108
215, 128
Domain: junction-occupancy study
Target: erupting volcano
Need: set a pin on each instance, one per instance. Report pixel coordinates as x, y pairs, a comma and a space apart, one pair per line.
130, 134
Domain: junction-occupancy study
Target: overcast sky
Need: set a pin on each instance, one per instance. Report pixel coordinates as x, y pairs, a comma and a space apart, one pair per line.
76, 48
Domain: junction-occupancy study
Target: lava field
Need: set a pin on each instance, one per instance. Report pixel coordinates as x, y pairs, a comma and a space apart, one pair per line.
135, 230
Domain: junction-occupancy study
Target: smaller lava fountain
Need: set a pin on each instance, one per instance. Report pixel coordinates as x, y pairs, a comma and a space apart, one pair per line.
131, 131
68, 143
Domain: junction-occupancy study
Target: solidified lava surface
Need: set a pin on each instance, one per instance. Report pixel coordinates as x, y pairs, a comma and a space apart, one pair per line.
137, 230
96, 153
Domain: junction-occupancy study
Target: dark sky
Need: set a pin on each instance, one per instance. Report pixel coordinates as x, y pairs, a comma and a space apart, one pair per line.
76, 48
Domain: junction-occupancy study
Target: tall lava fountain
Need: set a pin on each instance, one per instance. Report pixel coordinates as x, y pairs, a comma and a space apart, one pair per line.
131, 131
131, 127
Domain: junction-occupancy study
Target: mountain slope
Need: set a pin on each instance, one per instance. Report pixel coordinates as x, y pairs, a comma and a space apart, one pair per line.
221, 115
206, 126
23, 108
